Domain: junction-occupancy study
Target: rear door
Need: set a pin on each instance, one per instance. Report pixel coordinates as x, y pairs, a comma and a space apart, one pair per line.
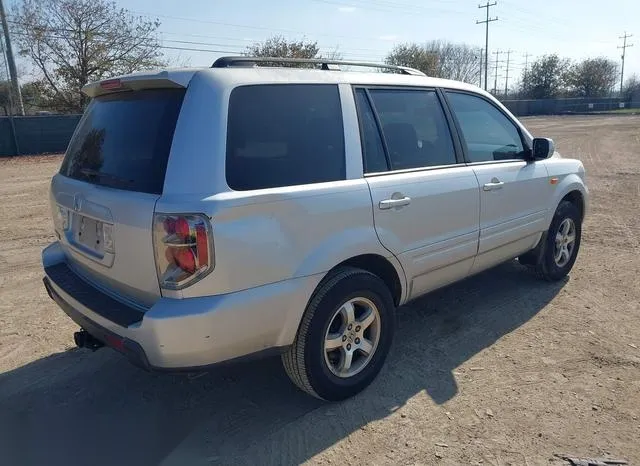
514, 191
425, 200
107, 187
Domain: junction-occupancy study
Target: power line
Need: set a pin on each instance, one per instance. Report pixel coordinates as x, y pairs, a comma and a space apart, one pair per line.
194, 49
624, 49
486, 40
234, 51
391, 7
353, 53
244, 26
531, 17
350, 50
59, 33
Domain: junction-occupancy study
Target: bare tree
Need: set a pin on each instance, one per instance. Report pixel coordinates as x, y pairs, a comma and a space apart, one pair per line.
440, 59
593, 77
73, 42
334, 54
460, 62
414, 56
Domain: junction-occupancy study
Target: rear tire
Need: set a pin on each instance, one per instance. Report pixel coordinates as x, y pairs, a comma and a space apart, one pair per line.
344, 337
562, 243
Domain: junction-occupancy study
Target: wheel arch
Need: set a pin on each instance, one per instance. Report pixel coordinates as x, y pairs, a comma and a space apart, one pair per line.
576, 198
392, 275
359, 248
572, 189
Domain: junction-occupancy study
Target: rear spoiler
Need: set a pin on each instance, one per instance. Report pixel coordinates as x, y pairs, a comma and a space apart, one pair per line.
133, 82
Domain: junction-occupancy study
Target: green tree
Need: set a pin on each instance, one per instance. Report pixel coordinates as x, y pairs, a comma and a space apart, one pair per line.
631, 89
593, 77
5, 97
546, 79
73, 42
31, 96
278, 46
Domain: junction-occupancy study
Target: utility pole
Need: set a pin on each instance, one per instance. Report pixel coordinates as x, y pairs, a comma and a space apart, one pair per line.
506, 79
495, 82
624, 49
12, 64
526, 63
481, 67
486, 38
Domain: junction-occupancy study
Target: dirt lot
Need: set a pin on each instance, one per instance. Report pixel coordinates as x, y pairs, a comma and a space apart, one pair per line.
499, 369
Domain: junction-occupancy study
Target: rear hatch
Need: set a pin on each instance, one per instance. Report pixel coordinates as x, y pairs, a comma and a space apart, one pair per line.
104, 196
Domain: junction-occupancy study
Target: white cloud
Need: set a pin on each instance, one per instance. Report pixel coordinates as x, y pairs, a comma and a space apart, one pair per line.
389, 37
347, 9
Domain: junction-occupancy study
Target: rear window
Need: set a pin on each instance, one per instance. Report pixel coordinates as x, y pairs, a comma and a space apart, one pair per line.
284, 135
123, 140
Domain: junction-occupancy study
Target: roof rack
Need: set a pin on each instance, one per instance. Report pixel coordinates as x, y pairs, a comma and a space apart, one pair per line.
329, 65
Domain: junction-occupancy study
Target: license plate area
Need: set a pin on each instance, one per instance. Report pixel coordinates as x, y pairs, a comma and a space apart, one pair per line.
88, 234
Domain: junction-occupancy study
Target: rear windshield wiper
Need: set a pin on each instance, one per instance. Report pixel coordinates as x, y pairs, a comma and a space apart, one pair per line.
91, 173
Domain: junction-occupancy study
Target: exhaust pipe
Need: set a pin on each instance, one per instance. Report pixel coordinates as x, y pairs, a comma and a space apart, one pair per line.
84, 339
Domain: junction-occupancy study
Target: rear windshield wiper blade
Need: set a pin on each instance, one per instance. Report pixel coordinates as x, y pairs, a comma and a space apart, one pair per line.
90, 172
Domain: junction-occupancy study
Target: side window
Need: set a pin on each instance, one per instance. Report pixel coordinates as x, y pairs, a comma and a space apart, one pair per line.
372, 148
414, 128
488, 133
284, 135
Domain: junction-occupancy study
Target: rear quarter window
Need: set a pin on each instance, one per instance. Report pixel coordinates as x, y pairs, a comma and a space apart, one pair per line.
124, 139
284, 135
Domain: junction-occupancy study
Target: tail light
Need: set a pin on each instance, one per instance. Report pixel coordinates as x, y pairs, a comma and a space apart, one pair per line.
61, 219
183, 248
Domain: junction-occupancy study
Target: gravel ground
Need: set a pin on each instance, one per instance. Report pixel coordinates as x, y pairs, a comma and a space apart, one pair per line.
499, 369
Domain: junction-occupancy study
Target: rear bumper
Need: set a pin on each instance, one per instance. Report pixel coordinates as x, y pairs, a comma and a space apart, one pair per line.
182, 334
132, 350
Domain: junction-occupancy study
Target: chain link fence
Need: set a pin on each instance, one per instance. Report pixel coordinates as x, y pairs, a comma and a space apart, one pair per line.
568, 106
36, 134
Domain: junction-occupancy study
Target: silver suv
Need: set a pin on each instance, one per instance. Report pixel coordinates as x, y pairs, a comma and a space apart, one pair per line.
238, 211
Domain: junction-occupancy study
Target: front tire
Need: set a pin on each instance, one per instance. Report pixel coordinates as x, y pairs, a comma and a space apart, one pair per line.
561, 244
344, 337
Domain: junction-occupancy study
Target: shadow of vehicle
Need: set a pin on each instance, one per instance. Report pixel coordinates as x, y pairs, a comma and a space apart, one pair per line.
77, 407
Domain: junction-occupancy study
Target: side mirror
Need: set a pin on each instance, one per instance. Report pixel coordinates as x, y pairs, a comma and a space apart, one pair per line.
543, 148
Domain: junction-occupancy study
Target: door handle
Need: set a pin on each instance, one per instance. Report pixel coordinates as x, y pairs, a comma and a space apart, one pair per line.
389, 203
494, 185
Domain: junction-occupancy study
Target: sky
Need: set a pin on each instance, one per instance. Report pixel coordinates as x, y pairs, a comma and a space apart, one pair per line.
368, 29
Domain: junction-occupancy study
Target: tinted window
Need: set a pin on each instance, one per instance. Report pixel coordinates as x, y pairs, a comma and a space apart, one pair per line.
124, 139
414, 128
488, 133
372, 149
284, 135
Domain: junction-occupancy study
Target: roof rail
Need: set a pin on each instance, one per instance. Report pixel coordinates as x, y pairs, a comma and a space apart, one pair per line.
228, 62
